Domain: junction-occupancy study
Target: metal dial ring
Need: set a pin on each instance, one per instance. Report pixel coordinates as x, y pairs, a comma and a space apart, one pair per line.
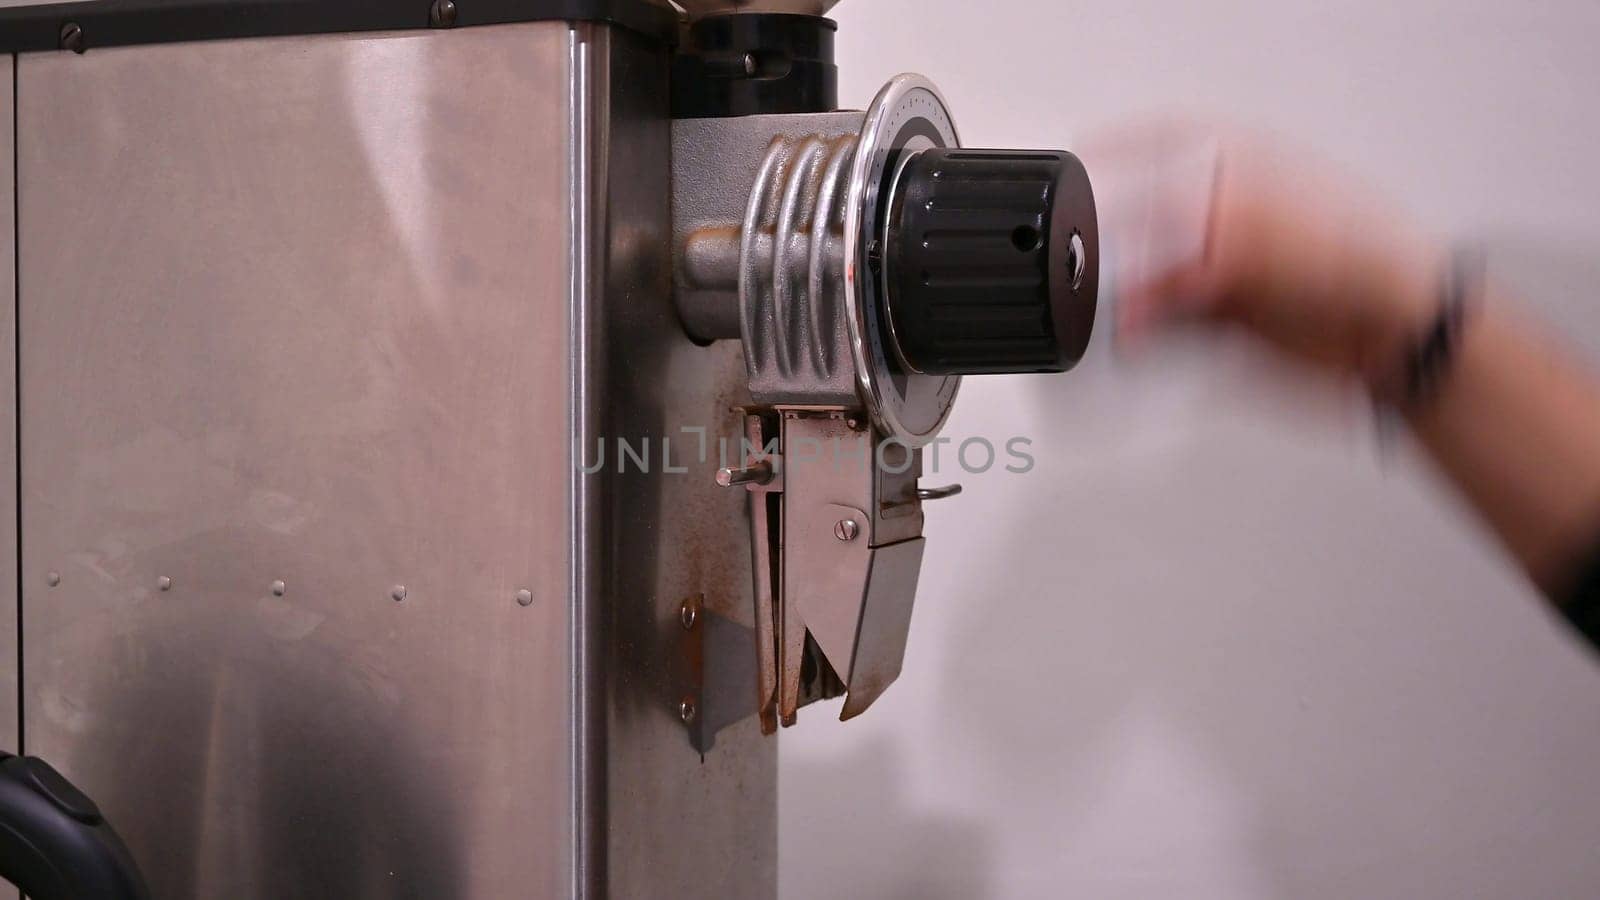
908, 116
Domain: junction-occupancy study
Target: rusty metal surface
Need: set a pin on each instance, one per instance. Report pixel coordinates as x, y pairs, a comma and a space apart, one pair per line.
676, 823
765, 552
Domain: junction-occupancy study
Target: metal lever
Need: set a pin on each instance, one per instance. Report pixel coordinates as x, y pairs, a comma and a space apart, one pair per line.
822, 271
836, 533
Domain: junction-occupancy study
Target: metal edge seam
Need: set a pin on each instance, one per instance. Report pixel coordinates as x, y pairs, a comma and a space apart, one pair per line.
16, 360
120, 23
586, 239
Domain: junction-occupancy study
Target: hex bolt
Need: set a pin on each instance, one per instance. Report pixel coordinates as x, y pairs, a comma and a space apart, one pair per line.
278, 588
846, 530
53, 579
689, 613
72, 37
443, 14
686, 710
524, 597
398, 592
164, 583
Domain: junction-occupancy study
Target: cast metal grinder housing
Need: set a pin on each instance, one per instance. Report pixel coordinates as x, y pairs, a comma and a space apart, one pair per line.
867, 262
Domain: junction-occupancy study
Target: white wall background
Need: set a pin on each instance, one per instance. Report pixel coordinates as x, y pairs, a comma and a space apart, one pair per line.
1215, 645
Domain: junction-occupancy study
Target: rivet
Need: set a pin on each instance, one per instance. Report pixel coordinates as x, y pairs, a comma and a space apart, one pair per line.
398, 592
686, 710
524, 597
689, 613
443, 13
53, 579
278, 588
164, 583
846, 530
72, 37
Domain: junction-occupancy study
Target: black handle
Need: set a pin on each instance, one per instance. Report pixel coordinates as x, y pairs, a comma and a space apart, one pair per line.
54, 843
993, 262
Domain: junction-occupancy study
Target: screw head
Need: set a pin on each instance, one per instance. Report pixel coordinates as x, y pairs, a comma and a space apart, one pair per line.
1077, 259
443, 13
689, 613
72, 37
686, 710
53, 579
846, 530
164, 583
398, 592
749, 64
524, 597
278, 588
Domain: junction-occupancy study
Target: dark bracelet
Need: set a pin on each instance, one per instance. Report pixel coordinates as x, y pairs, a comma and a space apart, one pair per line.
1430, 358
1579, 602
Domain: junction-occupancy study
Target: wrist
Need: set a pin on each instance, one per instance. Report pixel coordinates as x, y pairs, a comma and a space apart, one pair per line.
1406, 289
1427, 326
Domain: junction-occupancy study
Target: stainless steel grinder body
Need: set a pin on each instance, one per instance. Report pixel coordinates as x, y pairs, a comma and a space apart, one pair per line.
374, 381
316, 598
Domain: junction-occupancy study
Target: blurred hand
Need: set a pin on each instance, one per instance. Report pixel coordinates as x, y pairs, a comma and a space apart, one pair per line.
1297, 257
1200, 228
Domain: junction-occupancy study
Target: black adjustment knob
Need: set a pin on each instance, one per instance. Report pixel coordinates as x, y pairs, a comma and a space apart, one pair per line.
992, 262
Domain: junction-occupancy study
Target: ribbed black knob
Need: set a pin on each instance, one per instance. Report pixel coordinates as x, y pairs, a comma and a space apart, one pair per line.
992, 262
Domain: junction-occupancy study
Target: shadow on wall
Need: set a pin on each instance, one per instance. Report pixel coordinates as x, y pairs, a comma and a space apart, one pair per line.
1217, 645
863, 834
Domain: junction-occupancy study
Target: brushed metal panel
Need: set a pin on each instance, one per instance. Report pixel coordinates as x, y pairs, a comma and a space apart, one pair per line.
9, 720
673, 823
295, 311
